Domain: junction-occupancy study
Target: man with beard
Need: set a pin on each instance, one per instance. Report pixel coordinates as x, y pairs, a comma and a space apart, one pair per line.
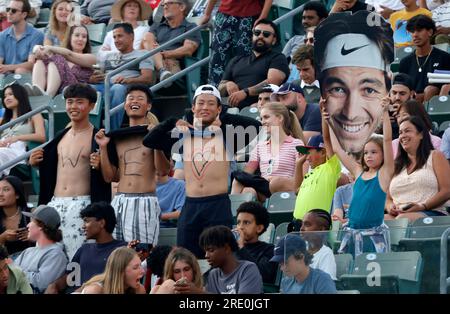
245, 75
401, 91
292, 96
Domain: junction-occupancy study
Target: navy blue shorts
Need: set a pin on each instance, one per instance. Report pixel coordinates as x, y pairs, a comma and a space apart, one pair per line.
431, 213
199, 213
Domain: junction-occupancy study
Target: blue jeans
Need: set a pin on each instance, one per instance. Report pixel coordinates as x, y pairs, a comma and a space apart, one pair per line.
118, 93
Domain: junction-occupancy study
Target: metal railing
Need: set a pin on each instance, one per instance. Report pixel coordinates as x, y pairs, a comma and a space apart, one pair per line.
289, 14
136, 61
51, 132
444, 280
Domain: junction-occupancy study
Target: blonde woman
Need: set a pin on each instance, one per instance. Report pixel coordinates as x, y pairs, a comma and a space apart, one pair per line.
274, 157
122, 275
59, 15
181, 274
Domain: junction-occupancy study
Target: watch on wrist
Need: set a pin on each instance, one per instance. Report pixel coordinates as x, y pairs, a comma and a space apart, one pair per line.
246, 91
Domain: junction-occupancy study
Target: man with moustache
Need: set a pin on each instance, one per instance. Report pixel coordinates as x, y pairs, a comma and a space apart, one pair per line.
353, 59
401, 91
245, 75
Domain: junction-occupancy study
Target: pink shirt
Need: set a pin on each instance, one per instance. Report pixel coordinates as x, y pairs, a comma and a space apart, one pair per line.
435, 140
282, 165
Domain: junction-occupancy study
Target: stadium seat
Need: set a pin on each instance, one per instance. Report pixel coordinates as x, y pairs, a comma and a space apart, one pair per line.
96, 33
348, 292
396, 272
429, 248
280, 231
439, 109
288, 27
444, 126
238, 199
397, 230
167, 236
204, 265
429, 227
44, 17
251, 112
281, 207
344, 264
59, 108
19, 78
269, 234
401, 53
334, 235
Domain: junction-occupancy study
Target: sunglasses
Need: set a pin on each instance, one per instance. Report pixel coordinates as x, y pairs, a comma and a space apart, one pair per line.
12, 10
167, 3
310, 40
258, 32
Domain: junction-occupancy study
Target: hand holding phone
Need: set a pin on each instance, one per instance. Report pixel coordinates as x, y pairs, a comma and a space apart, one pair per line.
181, 282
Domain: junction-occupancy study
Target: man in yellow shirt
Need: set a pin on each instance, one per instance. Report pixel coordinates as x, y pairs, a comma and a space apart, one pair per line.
317, 187
399, 19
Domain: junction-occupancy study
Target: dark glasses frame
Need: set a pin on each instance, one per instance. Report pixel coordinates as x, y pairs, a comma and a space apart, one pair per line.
266, 34
13, 10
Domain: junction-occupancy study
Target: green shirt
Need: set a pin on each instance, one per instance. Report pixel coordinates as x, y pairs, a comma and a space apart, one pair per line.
17, 282
318, 188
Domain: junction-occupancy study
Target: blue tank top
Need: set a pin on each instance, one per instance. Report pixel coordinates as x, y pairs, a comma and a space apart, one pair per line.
367, 206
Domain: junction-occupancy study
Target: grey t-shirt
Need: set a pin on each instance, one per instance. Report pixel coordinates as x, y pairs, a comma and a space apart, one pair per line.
42, 266
293, 44
163, 33
97, 9
245, 279
317, 282
113, 60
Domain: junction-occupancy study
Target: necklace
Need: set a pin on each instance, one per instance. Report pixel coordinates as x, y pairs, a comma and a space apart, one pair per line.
417, 60
11, 217
72, 132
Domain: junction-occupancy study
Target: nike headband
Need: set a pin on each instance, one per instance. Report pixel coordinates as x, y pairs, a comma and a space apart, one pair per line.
353, 50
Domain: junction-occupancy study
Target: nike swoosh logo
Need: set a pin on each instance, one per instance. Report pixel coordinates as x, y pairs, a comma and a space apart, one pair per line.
345, 52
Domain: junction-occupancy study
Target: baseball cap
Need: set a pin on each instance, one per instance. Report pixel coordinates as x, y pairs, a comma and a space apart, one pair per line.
315, 142
287, 88
270, 88
287, 246
207, 89
47, 215
403, 79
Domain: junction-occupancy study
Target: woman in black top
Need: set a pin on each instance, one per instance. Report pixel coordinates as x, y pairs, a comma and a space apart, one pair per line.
13, 225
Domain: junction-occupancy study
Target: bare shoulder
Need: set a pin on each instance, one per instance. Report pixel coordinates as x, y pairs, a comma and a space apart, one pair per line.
93, 288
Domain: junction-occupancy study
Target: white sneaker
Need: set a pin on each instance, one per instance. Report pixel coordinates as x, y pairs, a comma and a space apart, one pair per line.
38, 91
29, 88
164, 75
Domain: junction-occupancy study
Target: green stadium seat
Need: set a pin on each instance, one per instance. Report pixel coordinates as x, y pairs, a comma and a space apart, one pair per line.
280, 231
444, 126
268, 235
397, 230
281, 207
402, 52
429, 248
59, 108
167, 236
439, 109
429, 227
397, 272
344, 264
251, 112
44, 18
288, 27
96, 33
204, 265
19, 78
238, 199
334, 235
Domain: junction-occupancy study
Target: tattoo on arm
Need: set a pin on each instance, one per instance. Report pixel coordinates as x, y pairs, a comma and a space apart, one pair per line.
256, 89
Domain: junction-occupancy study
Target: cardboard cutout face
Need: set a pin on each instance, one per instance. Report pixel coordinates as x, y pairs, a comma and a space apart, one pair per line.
353, 55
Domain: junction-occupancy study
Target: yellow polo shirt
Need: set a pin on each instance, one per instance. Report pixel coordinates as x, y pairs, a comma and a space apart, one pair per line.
398, 21
318, 187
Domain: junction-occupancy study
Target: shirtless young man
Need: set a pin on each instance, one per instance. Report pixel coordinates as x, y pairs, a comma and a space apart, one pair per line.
126, 160
68, 180
206, 165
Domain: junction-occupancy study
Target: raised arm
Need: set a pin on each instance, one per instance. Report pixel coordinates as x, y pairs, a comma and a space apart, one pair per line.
336, 147
387, 170
86, 60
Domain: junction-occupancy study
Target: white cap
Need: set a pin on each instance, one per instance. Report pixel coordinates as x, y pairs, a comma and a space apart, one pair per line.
353, 50
207, 89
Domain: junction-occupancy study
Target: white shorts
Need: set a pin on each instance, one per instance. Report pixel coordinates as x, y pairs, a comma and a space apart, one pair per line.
137, 217
69, 209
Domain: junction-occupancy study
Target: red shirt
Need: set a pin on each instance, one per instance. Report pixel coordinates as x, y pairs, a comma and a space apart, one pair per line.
241, 8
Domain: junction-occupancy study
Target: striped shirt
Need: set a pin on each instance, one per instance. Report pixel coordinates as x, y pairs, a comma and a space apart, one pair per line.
282, 164
441, 15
